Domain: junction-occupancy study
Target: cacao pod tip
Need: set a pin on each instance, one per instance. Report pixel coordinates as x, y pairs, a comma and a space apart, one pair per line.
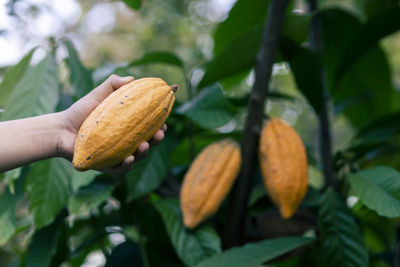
189, 222
174, 87
286, 213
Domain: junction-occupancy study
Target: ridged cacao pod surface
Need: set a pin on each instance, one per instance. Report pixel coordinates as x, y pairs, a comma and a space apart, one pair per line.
284, 167
128, 116
208, 181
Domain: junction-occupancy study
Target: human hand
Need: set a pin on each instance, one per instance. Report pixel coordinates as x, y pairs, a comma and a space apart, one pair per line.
74, 116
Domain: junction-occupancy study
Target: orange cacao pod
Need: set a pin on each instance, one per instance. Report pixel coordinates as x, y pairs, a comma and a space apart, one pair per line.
284, 167
128, 116
208, 181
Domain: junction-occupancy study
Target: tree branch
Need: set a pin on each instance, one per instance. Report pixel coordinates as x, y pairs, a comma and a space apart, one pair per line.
325, 132
233, 234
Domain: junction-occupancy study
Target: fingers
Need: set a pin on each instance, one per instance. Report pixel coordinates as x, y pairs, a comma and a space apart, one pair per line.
157, 138
141, 152
110, 85
139, 155
121, 168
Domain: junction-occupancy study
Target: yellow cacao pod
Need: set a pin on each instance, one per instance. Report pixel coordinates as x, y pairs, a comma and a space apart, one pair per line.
208, 181
128, 116
284, 167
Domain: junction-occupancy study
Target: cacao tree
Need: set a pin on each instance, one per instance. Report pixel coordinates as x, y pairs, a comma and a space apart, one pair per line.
322, 66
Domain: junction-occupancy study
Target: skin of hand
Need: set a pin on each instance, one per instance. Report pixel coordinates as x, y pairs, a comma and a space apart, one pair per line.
77, 113
28, 140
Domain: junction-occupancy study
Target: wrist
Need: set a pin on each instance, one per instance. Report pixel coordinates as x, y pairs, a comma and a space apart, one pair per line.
64, 135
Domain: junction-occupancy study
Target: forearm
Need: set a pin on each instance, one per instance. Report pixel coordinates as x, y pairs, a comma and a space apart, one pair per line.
27, 140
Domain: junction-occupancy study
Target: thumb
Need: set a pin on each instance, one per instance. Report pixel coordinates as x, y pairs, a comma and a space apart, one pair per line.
110, 85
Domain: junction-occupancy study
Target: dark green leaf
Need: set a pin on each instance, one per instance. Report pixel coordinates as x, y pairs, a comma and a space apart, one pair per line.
236, 43
89, 197
375, 136
149, 174
375, 89
296, 27
209, 109
255, 254
89, 244
10, 177
243, 100
379, 190
379, 232
8, 202
256, 193
43, 245
124, 251
134, 4
63, 250
48, 189
383, 23
252, 12
181, 155
79, 179
12, 76
306, 69
342, 243
234, 83
191, 246
158, 57
151, 226
237, 57
80, 77
36, 93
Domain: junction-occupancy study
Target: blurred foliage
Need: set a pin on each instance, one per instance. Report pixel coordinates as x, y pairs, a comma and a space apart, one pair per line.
51, 214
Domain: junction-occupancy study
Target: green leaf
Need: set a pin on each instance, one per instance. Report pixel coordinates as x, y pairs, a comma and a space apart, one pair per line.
12, 76
151, 226
209, 109
36, 93
256, 194
252, 12
124, 251
89, 197
10, 177
8, 202
388, 122
342, 243
255, 254
296, 27
48, 189
382, 24
374, 92
43, 245
80, 77
236, 43
379, 232
373, 8
158, 57
79, 179
191, 246
181, 155
134, 4
378, 189
148, 174
243, 100
237, 57
306, 69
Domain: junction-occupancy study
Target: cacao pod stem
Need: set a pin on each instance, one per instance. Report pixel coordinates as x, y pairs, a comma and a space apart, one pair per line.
174, 87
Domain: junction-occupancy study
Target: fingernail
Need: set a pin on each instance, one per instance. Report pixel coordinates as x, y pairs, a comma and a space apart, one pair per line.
128, 78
